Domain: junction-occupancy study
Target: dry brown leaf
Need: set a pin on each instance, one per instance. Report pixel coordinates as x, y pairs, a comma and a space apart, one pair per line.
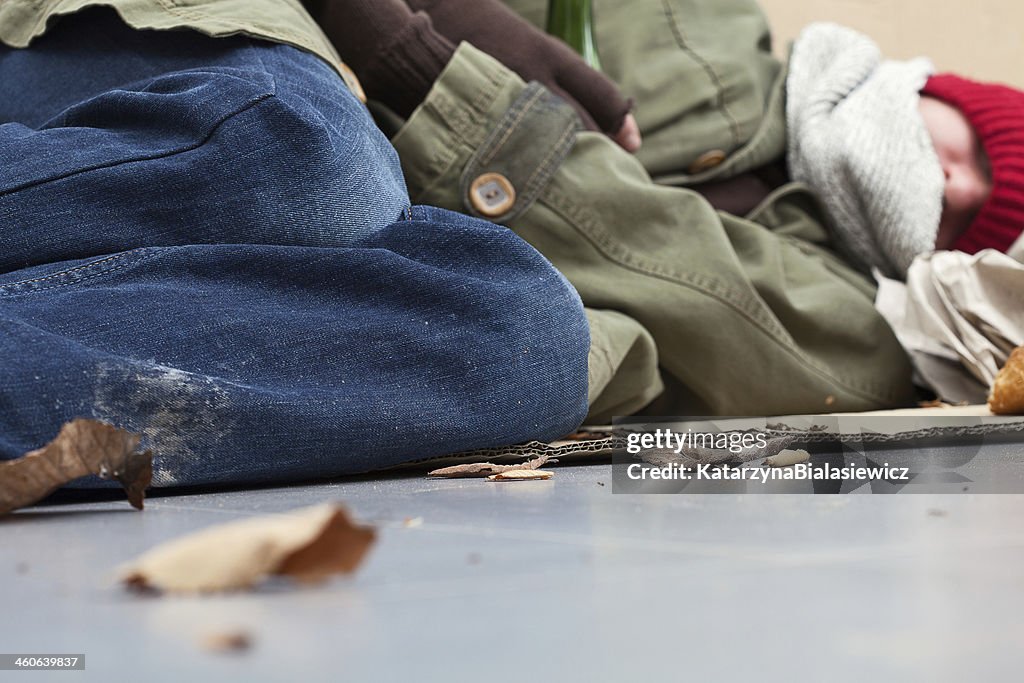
486, 469
1007, 397
787, 457
308, 545
934, 403
231, 641
82, 447
521, 475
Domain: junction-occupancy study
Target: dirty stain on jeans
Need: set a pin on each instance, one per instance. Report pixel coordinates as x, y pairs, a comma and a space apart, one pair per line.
181, 415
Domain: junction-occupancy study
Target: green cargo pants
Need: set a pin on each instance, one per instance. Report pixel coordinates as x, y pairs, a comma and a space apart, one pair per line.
748, 315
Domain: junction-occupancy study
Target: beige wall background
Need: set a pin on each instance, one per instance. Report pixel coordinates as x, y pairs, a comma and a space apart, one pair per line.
983, 39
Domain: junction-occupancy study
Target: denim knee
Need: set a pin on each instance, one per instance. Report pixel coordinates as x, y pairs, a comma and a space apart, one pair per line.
333, 175
526, 313
249, 363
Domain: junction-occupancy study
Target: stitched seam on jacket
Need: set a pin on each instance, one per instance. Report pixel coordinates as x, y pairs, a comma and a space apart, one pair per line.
467, 122
464, 123
577, 217
580, 219
680, 38
521, 110
195, 14
443, 156
510, 127
548, 166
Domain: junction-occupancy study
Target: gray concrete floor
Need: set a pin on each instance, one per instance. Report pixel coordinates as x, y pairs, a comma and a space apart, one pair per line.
559, 580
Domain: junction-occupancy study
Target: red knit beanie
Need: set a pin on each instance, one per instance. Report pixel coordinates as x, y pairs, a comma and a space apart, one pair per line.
996, 112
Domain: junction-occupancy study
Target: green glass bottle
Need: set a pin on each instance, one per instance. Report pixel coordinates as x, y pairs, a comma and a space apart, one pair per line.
573, 22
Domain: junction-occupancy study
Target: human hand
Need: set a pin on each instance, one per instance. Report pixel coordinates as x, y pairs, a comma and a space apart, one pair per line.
495, 29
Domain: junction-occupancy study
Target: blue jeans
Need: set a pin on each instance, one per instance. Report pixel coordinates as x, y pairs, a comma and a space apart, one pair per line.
209, 242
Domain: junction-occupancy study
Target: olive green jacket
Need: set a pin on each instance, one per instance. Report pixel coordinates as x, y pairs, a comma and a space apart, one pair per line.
749, 314
745, 315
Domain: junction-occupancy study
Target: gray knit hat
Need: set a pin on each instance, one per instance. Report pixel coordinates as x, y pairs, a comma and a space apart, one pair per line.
856, 136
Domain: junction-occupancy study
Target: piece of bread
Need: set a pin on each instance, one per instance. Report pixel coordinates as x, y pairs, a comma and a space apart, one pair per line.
1007, 397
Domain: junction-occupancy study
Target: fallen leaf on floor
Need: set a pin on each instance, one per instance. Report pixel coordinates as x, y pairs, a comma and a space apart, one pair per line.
521, 475
307, 545
233, 641
486, 469
82, 447
787, 457
1007, 397
934, 403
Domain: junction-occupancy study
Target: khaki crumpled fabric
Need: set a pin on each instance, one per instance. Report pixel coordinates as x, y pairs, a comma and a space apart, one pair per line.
959, 316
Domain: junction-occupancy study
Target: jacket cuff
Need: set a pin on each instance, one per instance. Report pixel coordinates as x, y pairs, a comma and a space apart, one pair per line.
466, 102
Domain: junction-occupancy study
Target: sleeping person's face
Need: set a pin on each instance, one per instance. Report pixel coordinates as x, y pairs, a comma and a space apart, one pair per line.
965, 165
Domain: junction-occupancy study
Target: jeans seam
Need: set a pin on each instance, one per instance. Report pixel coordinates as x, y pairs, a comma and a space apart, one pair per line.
149, 157
88, 270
